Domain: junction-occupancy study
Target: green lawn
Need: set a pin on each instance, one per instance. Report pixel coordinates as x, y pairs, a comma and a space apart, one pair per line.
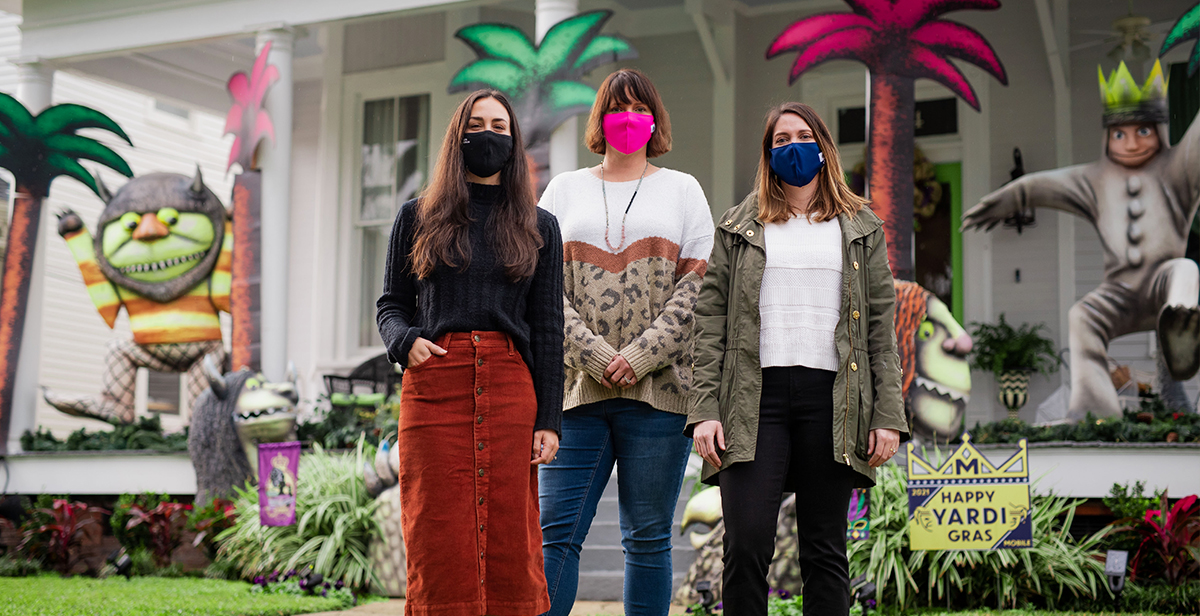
49, 595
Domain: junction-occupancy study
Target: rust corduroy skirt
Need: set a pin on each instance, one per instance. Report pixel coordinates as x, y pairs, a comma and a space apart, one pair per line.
468, 494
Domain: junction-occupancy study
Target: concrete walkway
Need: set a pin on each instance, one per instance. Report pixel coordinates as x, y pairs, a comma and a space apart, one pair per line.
395, 607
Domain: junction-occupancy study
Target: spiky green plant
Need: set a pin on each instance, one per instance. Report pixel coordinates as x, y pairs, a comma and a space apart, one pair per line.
37, 149
544, 81
1055, 570
1186, 28
335, 523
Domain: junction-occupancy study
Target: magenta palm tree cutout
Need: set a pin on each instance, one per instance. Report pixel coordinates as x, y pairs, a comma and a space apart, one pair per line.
900, 41
247, 120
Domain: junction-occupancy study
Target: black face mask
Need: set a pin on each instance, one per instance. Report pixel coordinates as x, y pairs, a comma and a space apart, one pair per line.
485, 153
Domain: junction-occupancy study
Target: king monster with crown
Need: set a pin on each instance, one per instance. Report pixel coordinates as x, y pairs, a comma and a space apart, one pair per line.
1141, 197
164, 252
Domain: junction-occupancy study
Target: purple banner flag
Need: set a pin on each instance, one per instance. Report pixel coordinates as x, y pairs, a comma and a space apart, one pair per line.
278, 466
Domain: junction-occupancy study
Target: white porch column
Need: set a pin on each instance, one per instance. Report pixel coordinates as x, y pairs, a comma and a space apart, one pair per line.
564, 142
35, 83
276, 163
715, 26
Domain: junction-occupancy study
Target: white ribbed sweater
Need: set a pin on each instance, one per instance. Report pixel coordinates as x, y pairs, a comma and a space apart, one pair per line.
801, 296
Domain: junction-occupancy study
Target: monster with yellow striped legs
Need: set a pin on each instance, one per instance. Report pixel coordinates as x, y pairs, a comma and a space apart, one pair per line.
163, 252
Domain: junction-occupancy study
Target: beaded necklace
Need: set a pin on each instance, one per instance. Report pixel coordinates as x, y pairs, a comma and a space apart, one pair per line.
604, 194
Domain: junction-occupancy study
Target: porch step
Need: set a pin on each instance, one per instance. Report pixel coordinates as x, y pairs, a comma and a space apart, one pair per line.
602, 562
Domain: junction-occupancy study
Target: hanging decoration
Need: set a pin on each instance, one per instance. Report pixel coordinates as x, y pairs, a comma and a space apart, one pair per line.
544, 81
37, 149
249, 123
900, 41
1141, 197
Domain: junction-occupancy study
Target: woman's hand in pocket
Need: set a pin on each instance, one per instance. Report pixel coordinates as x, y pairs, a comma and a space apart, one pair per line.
545, 446
710, 439
421, 351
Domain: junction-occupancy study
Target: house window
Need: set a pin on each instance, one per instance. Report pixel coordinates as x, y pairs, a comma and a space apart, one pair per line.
394, 166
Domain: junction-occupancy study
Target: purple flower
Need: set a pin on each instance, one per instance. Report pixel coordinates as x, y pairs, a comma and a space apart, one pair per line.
324, 592
274, 577
338, 585
260, 580
783, 594
689, 610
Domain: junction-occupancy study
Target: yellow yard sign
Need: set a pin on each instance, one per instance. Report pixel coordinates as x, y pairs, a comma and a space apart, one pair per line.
967, 503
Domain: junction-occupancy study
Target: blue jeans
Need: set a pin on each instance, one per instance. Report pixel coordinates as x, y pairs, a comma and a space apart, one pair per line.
651, 452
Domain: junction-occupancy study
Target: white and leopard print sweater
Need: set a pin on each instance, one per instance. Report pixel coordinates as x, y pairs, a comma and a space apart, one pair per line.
634, 293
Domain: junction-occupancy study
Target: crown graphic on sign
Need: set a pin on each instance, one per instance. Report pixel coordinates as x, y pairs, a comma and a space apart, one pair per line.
967, 466
1126, 102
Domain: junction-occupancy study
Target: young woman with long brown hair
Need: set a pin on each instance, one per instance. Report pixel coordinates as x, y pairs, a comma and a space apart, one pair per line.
472, 308
797, 377
635, 238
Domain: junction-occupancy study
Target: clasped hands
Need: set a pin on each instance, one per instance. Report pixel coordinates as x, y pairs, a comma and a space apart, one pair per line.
618, 374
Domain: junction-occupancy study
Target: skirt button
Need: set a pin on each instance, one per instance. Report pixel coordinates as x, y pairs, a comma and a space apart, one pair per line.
481, 447
476, 338
478, 391
479, 362
481, 472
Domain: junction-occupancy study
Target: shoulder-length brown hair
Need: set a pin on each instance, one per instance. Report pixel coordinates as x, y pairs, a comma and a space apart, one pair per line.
832, 196
442, 210
621, 88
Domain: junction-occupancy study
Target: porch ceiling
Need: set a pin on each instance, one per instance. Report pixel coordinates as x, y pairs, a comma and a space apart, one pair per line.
194, 74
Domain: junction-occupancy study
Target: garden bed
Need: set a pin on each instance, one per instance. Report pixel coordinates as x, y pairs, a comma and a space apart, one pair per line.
50, 595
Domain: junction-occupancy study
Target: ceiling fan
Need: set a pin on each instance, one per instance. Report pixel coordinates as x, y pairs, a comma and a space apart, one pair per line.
1129, 37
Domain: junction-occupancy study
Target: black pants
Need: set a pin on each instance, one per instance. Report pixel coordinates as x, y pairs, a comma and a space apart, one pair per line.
795, 436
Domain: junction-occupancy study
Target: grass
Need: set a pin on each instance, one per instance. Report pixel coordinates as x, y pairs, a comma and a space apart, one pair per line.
50, 595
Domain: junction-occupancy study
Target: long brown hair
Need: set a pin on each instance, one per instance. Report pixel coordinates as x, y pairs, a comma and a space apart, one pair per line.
832, 196
443, 214
623, 87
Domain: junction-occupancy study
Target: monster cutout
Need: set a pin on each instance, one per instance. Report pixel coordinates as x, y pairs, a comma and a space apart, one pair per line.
933, 352
239, 411
1141, 198
387, 549
163, 252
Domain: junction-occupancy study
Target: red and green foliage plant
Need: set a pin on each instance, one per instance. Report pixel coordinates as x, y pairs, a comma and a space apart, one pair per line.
53, 534
208, 521
900, 41
1169, 546
165, 523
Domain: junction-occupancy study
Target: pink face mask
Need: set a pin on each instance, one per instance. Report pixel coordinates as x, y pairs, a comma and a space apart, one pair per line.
627, 131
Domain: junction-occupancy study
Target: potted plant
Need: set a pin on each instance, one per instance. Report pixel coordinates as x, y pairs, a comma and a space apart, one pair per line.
1012, 354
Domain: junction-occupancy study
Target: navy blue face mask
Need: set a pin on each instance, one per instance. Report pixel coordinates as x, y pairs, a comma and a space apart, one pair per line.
797, 163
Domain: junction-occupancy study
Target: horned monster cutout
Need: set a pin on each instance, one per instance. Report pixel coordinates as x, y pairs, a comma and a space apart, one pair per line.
163, 251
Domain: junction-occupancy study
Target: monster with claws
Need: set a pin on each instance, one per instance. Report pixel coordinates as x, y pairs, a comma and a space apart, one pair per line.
164, 252
1141, 198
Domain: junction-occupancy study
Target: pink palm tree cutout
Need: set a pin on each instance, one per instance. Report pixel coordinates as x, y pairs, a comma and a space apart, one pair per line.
899, 41
247, 121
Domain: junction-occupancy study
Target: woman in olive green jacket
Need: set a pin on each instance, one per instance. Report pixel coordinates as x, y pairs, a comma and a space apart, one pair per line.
797, 379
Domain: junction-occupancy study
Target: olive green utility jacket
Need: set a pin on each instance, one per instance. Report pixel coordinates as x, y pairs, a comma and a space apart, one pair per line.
728, 376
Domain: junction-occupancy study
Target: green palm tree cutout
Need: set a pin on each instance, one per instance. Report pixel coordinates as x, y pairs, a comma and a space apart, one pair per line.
544, 81
37, 149
1186, 28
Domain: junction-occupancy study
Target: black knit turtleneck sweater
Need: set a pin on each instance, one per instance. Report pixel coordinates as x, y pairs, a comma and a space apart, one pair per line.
480, 297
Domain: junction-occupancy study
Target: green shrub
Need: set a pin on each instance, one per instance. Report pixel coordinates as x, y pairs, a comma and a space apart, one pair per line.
145, 433
138, 537
12, 565
1055, 569
1150, 427
1127, 501
334, 524
1161, 598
